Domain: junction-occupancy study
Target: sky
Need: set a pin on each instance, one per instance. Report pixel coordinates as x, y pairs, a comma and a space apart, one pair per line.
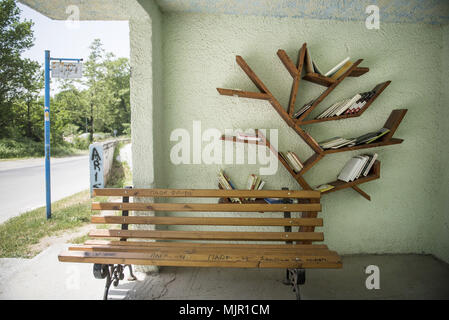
66, 41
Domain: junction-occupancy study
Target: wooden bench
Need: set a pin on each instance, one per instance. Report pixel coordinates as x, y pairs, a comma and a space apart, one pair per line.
286, 248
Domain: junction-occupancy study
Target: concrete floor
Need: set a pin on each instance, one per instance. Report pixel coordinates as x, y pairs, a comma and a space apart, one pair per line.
401, 277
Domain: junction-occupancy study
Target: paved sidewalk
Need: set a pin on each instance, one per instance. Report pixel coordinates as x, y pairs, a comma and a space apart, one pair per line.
45, 278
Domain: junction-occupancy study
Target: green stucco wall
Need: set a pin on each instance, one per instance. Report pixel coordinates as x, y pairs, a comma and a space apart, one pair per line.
407, 213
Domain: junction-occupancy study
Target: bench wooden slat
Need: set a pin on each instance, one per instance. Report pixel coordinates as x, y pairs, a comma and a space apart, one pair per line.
236, 250
208, 235
301, 261
207, 207
207, 221
219, 245
207, 193
211, 254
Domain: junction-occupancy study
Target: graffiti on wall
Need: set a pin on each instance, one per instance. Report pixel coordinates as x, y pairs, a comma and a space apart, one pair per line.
96, 164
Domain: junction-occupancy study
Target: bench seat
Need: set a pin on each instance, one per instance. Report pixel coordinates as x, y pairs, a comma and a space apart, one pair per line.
203, 255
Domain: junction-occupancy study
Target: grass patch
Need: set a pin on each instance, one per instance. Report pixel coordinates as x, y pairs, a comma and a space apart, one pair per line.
27, 148
18, 234
120, 175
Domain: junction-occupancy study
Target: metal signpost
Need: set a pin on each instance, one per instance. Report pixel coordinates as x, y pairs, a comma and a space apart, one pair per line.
60, 68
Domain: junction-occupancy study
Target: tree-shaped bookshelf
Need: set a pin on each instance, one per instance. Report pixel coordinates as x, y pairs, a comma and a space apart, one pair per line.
296, 71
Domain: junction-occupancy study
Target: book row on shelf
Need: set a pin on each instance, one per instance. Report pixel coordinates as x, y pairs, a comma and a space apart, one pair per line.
346, 106
334, 73
292, 160
254, 183
339, 142
357, 167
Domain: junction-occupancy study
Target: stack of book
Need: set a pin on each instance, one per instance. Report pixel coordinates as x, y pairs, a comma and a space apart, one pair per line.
348, 106
338, 142
334, 73
371, 136
304, 108
357, 167
292, 160
254, 183
225, 183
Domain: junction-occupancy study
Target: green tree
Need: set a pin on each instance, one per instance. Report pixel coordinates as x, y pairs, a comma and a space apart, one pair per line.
15, 37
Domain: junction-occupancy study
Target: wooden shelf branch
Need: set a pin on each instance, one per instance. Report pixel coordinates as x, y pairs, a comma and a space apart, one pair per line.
339, 185
266, 95
378, 89
244, 94
392, 123
295, 71
329, 89
265, 142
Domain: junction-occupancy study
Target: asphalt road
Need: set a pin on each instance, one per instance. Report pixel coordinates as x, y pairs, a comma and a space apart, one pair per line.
22, 183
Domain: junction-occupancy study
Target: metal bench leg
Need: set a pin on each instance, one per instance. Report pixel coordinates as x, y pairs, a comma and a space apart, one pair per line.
113, 275
131, 277
296, 277
107, 286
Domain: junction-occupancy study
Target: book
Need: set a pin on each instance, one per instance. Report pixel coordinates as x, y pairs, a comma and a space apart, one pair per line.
364, 160
370, 165
350, 169
226, 184
336, 68
345, 106
304, 109
296, 158
273, 200
347, 142
293, 163
324, 187
371, 136
342, 70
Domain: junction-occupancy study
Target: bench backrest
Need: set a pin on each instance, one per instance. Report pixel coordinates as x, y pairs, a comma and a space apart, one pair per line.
306, 202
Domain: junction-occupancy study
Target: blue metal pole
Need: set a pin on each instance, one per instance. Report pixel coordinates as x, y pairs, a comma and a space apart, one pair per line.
47, 133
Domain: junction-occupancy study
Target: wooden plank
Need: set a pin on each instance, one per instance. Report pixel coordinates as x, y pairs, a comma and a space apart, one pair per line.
393, 122
216, 245
206, 193
296, 81
362, 193
206, 207
319, 79
285, 252
289, 65
339, 185
244, 94
250, 73
212, 261
357, 72
314, 159
207, 221
207, 235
